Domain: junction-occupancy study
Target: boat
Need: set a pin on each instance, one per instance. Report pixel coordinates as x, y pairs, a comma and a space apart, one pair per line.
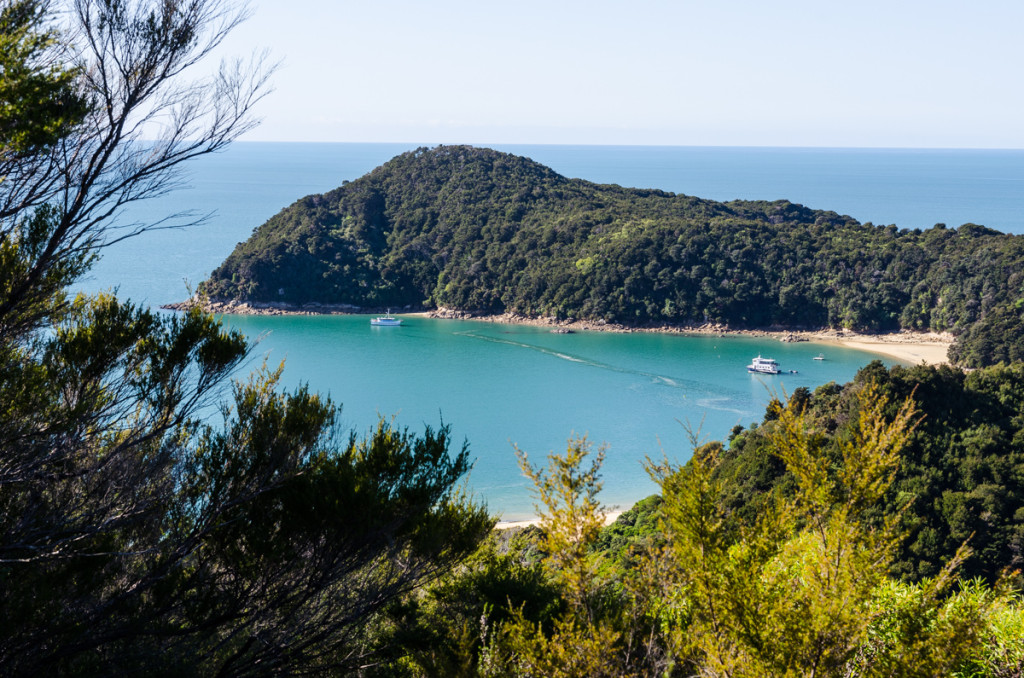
820, 356
763, 366
386, 320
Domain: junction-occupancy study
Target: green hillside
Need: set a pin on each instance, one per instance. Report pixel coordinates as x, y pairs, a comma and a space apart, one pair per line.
482, 231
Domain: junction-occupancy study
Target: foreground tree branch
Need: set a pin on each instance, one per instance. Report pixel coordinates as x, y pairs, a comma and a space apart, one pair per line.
136, 537
131, 118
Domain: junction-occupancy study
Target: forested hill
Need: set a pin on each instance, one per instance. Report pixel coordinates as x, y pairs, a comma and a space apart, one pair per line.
478, 230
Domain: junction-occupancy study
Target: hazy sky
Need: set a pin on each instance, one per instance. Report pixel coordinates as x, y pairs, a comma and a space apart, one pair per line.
708, 72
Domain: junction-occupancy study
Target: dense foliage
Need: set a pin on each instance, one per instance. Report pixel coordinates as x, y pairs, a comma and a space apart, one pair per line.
478, 230
138, 536
962, 470
960, 477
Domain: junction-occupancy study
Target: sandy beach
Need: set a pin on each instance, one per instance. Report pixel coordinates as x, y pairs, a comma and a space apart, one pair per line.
910, 347
914, 348
509, 524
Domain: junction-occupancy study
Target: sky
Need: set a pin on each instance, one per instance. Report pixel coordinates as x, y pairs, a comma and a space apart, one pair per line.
898, 73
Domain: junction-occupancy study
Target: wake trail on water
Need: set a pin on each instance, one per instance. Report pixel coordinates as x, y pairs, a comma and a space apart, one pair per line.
719, 403
706, 398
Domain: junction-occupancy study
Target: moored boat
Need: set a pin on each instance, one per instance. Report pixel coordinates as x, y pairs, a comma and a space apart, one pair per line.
763, 366
386, 320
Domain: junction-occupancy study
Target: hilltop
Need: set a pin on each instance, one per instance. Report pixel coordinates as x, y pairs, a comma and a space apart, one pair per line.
481, 231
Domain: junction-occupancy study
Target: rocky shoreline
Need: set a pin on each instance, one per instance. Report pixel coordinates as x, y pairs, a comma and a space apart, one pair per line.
236, 307
929, 347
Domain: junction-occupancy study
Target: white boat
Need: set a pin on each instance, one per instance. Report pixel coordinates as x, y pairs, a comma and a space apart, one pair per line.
763, 366
386, 320
820, 356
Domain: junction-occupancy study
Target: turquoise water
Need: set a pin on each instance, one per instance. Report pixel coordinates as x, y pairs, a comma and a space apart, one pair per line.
500, 385
503, 385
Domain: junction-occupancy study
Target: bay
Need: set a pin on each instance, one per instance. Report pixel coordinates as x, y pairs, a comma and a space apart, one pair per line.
500, 385
641, 394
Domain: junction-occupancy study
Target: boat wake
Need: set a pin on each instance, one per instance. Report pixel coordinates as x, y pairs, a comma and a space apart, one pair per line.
679, 390
721, 404
689, 386
572, 359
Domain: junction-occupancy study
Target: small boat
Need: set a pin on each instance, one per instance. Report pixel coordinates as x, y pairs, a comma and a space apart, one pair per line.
763, 366
386, 320
820, 356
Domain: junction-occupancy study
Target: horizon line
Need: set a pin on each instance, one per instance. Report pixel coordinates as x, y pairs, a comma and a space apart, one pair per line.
430, 144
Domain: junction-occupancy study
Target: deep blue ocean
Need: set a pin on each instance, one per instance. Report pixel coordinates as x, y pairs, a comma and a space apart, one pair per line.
501, 385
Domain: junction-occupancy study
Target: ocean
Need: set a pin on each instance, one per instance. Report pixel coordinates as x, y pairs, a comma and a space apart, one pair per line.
498, 386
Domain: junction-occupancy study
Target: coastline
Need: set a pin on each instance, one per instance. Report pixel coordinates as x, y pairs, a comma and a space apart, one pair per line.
609, 518
910, 347
930, 348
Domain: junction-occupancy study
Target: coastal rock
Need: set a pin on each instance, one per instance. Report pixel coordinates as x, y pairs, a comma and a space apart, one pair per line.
235, 307
450, 314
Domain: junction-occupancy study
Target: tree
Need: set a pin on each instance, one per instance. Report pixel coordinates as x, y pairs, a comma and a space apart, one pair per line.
136, 536
580, 643
111, 123
802, 588
571, 516
38, 101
